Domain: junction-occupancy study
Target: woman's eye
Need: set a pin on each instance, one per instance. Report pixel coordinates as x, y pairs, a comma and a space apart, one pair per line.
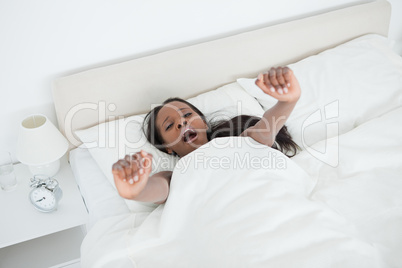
169, 126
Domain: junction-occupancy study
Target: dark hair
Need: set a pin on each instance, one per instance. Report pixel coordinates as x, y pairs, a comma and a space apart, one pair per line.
222, 128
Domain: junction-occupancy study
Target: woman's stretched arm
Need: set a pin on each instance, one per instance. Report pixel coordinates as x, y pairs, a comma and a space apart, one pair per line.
281, 84
132, 180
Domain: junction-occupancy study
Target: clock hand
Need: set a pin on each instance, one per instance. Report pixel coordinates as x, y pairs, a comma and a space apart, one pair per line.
40, 199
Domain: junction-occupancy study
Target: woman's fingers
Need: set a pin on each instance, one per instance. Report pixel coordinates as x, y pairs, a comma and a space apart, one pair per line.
125, 165
133, 168
146, 163
118, 171
287, 73
281, 80
131, 173
275, 80
280, 83
263, 83
268, 83
272, 75
141, 166
128, 168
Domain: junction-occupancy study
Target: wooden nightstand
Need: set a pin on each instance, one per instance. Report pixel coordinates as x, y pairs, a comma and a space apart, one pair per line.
29, 238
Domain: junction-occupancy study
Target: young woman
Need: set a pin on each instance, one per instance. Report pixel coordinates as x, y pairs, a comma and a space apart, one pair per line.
177, 127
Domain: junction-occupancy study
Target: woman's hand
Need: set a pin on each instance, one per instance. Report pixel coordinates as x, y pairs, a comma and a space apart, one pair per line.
280, 83
131, 174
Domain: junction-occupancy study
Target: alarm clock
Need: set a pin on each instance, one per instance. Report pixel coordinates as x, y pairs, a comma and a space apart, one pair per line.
45, 194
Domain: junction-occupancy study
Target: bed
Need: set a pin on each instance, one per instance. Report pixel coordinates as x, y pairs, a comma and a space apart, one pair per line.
234, 202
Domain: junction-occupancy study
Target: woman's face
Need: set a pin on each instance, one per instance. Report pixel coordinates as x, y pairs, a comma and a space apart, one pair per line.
181, 128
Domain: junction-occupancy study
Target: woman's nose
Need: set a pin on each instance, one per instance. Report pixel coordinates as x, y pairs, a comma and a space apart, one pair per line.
182, 123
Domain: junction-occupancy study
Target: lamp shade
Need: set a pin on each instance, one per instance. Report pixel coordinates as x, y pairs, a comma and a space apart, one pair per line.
39, 141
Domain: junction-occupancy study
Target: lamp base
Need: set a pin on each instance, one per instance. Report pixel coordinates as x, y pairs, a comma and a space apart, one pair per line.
49, 169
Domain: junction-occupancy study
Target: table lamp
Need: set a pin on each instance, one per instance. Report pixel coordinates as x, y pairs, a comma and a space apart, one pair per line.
40, 145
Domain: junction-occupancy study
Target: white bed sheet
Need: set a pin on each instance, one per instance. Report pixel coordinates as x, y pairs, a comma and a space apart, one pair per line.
100, 198
345, 216
355, 208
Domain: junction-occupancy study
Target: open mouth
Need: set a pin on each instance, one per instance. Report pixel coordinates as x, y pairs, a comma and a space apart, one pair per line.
189, 135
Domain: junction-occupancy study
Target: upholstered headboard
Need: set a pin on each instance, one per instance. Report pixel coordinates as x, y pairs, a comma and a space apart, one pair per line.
97, 95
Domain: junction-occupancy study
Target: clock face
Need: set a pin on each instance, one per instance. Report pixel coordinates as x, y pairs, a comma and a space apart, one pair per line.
43, 199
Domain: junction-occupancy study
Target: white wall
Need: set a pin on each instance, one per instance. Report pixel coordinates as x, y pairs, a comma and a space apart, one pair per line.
42, 40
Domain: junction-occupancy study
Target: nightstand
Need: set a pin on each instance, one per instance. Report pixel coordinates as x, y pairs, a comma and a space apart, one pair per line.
29, 238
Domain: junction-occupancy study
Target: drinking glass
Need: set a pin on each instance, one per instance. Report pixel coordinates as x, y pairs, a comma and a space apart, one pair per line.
8, 180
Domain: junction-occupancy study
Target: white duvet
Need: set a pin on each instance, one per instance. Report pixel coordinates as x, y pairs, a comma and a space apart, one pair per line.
235, 203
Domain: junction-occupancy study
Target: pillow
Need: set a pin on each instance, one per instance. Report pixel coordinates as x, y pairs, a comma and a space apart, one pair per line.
341, 88
110, 141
